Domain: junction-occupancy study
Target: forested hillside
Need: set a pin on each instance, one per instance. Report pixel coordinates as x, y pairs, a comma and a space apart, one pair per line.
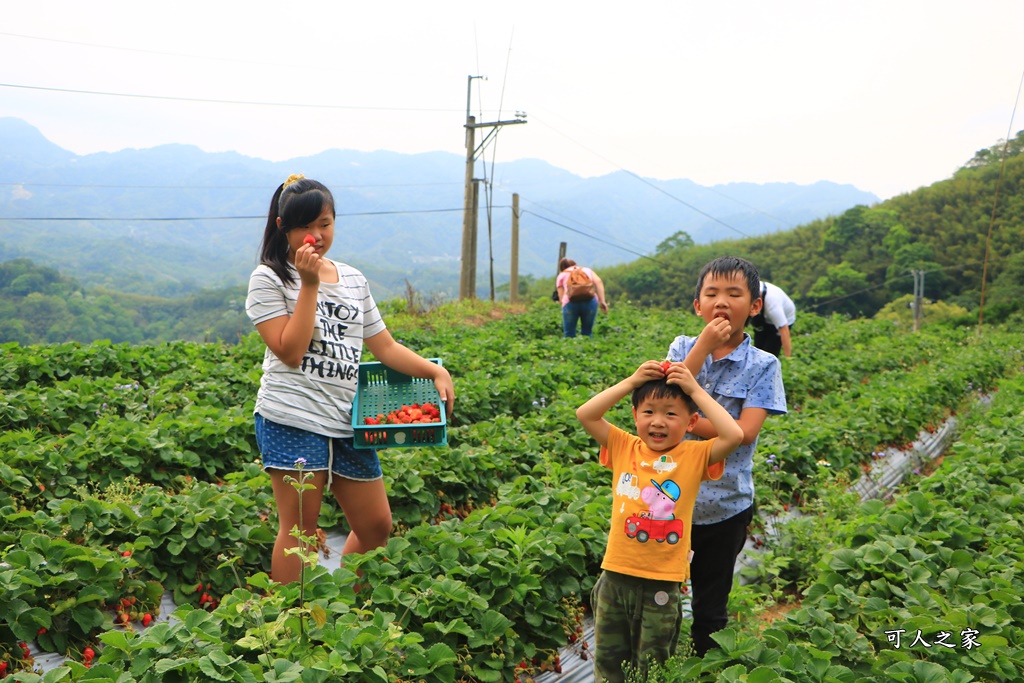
39, 305
859, 261
170, 220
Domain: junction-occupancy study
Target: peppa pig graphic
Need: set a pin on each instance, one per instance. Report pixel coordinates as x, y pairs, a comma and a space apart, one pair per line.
661, 498
658, 522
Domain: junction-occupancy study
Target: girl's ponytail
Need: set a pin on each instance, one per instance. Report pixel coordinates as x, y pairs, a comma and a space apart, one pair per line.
274, 251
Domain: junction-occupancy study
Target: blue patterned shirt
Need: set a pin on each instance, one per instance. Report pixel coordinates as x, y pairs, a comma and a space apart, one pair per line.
746, 378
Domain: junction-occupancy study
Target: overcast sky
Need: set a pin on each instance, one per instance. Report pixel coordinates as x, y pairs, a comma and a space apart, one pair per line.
887, 95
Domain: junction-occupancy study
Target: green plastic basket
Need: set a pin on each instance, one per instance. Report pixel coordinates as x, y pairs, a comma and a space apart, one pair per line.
382, 390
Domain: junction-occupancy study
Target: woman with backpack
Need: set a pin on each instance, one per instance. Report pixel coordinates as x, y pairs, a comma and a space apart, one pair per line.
581, 292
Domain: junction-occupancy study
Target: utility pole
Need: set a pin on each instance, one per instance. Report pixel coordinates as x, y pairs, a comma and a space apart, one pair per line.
918, 297
474, 237
467, 273
513, 278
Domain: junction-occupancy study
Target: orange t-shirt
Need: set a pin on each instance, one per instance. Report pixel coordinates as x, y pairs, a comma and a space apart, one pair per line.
652, 504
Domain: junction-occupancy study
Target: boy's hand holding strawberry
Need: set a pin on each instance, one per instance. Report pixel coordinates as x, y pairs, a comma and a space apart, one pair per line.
715, 334
649, 370
679, 374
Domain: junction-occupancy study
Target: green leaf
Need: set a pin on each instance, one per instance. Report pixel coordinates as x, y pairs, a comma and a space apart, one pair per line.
844, 560
222, 659
284, 672
211, 670
485, 675
930, 672
318, 614
115, 639
164, 665
440, 654
762, 674
87, 618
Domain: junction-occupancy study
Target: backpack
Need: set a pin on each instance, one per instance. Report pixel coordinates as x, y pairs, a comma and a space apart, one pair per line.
579, 286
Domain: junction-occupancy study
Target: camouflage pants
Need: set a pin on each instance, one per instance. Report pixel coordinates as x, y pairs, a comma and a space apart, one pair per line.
635, 620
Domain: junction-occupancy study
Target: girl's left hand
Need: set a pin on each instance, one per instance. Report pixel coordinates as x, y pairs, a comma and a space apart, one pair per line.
446, 389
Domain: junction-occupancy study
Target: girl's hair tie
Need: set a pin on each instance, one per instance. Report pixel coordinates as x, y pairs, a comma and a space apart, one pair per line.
294, 177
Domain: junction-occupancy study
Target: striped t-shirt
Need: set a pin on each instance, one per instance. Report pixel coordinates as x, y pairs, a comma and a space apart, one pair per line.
317, 395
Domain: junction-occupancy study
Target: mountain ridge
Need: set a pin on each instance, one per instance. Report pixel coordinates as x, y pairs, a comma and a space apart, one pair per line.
400, 215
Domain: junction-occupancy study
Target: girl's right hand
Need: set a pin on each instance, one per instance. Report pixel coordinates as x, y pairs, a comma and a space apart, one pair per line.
308, 263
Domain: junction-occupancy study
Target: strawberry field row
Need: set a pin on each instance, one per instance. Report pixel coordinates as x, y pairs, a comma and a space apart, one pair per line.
499, 533
924, 589
844, 427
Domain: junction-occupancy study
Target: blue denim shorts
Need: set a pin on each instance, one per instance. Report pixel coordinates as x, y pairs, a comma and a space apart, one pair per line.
281, 445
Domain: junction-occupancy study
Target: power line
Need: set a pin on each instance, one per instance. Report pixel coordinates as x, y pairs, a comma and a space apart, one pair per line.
158, 52
648, 183
568, 218
888, 282
995, 205
336, 186
218, 101
685, 203
749, 206
209, 218
596, 239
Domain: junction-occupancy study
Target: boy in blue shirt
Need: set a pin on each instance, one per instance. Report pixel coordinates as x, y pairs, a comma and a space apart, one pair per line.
747, 382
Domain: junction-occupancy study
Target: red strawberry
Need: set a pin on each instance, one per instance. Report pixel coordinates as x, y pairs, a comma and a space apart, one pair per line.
126, 553
146, 619
309, 239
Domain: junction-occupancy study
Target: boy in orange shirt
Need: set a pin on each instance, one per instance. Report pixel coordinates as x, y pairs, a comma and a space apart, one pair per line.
636, 600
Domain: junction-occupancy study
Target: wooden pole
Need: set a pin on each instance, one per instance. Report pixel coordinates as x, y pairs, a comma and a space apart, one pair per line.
467, 273
474, 245
513, 282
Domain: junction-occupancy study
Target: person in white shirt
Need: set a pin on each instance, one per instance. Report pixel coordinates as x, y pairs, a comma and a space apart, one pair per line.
773, 325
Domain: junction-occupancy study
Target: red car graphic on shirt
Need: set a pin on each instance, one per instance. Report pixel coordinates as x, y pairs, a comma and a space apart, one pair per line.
641, 527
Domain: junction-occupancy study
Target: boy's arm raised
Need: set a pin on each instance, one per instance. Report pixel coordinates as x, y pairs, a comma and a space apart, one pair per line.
728, 432
750, 421
591, 414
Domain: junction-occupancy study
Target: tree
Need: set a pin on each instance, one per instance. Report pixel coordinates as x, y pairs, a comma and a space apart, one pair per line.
841, 290
677, 240
901, 312
993, 154
643, 282
1008, 287
26, 284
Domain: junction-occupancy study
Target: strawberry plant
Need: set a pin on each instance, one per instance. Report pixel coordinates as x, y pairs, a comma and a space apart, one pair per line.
149, 451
